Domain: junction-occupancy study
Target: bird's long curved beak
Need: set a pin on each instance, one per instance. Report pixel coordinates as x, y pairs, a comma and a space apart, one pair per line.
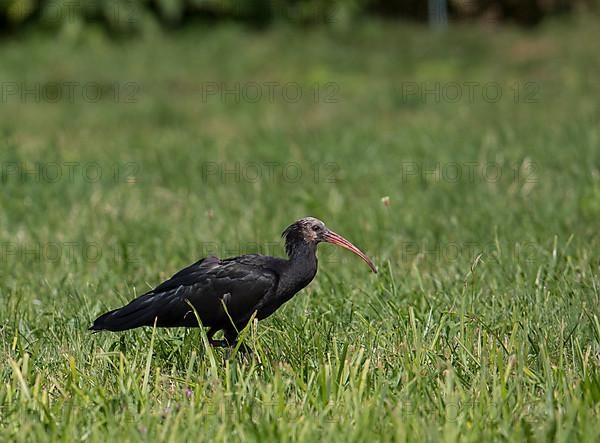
336, 239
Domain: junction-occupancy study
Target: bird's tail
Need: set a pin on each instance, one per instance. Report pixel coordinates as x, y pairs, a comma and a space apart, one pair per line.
139, 312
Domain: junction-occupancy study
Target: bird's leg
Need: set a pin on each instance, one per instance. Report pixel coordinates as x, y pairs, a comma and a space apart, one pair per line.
216, 343
231, 336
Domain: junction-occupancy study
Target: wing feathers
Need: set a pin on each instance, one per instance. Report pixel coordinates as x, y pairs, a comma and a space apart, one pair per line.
241, 283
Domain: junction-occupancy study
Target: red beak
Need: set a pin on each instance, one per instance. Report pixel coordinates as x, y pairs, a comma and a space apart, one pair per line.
332, 237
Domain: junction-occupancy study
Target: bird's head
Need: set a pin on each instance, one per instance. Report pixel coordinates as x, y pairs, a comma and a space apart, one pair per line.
310, 230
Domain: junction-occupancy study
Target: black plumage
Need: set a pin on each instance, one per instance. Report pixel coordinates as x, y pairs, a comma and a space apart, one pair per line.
226, 293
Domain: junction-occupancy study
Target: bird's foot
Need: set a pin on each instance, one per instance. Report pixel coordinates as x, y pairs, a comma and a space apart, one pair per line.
244, 349
230, 342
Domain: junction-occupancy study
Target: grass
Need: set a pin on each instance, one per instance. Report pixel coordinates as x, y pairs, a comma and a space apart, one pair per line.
483, 321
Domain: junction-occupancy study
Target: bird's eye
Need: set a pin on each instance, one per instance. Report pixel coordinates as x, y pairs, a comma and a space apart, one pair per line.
316, 228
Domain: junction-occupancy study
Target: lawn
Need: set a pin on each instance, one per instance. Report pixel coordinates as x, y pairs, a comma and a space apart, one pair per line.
466, 163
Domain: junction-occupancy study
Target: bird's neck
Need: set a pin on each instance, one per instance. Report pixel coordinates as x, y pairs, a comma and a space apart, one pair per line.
303, 261
302, 252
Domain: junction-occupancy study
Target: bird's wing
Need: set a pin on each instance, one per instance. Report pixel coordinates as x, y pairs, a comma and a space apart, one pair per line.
218, 290
189, 275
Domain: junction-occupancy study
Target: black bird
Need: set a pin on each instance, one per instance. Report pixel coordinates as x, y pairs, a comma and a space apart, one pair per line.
226, 293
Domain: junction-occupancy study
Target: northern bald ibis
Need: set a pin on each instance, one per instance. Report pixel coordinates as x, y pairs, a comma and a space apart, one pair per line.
226, 293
